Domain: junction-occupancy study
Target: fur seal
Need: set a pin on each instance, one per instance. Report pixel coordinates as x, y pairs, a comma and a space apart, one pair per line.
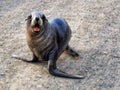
48, 40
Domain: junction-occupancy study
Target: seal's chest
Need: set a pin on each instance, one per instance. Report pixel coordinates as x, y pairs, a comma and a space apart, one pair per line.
37, 53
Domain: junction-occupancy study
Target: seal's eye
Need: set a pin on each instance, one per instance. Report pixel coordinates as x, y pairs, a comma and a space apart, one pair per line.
29, 17
43, 18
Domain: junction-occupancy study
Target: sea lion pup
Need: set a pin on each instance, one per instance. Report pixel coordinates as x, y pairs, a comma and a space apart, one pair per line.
48, 40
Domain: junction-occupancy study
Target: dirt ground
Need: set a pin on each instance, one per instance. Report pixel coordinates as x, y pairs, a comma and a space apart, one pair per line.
95, 28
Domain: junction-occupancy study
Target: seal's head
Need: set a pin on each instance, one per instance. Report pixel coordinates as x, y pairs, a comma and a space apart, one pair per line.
36, 21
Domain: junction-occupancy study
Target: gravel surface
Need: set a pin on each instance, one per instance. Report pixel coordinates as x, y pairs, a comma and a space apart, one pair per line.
95, 28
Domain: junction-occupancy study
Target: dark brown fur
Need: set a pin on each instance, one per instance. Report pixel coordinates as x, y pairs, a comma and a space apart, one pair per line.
49, 42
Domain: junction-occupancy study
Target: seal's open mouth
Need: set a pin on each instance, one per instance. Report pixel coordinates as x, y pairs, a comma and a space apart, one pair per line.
36, 28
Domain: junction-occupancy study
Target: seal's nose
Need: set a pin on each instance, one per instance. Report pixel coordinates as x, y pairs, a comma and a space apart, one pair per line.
37, 19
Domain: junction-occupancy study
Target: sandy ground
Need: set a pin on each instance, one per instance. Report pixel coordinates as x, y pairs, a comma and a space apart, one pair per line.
96, 36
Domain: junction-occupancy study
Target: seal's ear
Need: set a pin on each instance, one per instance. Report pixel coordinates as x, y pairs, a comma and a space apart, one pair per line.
44, 18
28, 18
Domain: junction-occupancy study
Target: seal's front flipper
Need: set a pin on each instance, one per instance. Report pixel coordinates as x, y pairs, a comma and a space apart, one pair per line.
56, 72
34, 59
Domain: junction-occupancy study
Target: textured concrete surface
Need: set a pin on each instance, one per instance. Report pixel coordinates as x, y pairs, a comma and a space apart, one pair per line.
96, 36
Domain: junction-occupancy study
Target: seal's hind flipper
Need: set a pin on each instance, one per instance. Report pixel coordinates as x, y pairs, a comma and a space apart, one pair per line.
72, 52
